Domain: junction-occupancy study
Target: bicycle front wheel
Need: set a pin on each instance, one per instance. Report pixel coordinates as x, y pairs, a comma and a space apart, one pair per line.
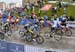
2, 35
68, 33
21, 33
29, 37
40, 40
47, 35
57, 37
9, 33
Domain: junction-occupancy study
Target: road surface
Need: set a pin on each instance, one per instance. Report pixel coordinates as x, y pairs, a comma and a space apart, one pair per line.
65, 43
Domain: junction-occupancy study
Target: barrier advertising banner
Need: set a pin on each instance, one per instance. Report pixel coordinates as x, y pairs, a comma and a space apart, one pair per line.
3, 46
13, 47
71, 23
10, 47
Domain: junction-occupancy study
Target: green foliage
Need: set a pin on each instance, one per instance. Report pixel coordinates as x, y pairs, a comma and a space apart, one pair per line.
70, 11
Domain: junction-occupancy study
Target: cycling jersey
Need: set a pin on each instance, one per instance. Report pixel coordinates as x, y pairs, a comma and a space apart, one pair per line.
6, 25
12, 21
26, 26
54, 23
42, 21
33, 29
62, 21
36, 20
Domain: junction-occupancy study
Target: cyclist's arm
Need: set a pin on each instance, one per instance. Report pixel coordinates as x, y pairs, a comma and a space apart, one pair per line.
30, 30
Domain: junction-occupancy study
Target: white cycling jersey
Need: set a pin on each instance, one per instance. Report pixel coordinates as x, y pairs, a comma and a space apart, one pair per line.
55, 22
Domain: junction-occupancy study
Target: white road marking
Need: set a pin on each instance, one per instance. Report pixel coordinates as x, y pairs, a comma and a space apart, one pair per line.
68, 37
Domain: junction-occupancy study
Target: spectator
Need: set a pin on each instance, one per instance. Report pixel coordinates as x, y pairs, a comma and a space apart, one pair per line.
54, 10
73, 0
32, 7
64, 10
40, 3
71, 18
59, 5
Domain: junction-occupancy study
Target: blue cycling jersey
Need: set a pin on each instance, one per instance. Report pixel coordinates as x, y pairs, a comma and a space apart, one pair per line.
34, 27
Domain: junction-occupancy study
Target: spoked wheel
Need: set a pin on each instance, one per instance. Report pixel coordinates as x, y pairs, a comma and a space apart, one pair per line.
21, 33
68, 33
57, 37
2, 36
40, 40
59, 32
29, 37
47, 35
9, 33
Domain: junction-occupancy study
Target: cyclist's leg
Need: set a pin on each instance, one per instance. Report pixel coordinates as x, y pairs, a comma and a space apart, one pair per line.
16, 26
52, 29
65, 27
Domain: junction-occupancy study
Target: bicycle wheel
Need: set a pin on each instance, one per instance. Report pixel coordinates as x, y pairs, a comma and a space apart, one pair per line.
21, 33
29, 37
9, 33
57, 37
47, 35
40, 40
59, 32
2, 36
68, 33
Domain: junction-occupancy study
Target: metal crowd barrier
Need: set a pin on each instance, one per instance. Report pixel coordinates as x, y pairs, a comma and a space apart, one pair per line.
14, 47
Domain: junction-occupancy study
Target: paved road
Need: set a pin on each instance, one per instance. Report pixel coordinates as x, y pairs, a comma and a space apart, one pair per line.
65, 43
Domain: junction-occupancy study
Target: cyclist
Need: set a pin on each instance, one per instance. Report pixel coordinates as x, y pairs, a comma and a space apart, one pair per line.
30, 28
16, 22
26, 26
0, 21
41, 23
54, 24
24, 30
12, 22
8, 23
63, 22
6, 27
33, 29
8, 19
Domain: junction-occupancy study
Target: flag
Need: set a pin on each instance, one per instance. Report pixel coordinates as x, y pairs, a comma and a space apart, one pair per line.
46, 7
